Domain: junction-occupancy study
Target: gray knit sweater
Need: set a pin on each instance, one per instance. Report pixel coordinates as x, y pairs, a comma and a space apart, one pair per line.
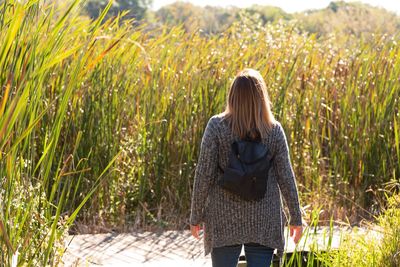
228, 219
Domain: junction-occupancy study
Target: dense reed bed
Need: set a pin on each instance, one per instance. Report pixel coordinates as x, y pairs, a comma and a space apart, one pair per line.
338, 99
41, 62
100, 113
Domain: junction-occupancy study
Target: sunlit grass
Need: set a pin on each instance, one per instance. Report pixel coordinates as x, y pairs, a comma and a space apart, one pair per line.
39, 168
374, 244
378, 245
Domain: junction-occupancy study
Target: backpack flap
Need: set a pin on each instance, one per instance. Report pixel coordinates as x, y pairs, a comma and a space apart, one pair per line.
247, 172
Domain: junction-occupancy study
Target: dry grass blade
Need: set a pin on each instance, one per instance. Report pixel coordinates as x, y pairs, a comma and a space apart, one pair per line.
5, 237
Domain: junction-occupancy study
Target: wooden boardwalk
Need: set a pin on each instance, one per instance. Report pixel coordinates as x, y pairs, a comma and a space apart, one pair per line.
169, 248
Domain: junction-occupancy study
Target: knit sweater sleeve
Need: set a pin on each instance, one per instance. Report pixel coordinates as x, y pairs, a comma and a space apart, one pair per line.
286, 179
206, 170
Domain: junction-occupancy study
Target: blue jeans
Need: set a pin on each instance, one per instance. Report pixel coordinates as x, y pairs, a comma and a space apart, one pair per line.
228, 256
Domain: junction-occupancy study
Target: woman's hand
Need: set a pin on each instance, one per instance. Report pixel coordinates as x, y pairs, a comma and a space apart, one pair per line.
296, 231
195, 229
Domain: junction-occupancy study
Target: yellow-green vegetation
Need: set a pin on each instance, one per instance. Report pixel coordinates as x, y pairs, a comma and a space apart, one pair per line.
380, 247
375, 245
351, 18
101, 113
42, 62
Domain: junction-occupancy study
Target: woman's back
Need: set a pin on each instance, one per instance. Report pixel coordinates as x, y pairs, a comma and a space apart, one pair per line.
229, 219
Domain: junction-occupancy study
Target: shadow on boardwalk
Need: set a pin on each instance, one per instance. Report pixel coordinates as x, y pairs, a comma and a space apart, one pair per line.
169, 248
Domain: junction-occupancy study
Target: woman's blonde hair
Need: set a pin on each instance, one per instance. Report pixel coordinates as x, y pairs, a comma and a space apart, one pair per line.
248, 108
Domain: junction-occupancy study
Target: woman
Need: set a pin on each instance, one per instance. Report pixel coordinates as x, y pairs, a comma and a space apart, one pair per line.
230, 221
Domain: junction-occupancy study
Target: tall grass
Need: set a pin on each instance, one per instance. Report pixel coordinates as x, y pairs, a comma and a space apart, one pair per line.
85, 90
379, 246
336, 97
40, 65
375, 245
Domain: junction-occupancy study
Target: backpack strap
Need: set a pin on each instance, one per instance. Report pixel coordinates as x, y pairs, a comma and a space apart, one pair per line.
220, 168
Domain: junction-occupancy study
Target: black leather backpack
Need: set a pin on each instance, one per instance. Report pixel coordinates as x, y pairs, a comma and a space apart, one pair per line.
247, 172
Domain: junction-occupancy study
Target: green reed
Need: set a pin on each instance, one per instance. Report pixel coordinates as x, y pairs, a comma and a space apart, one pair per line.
40, 68
372, 245
377, 245
336, 104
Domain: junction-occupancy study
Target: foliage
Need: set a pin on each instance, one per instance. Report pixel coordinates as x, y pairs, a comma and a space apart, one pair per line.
40, 61
268, 14
136, 8
340, 17
209, 19
337, 99
349, 18
213, 20
379, 246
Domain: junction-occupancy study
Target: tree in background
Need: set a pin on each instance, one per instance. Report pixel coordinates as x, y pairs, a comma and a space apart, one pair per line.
212, 19
348, 18
339, 17
190, 16
137, 8
209, 19
268, 13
